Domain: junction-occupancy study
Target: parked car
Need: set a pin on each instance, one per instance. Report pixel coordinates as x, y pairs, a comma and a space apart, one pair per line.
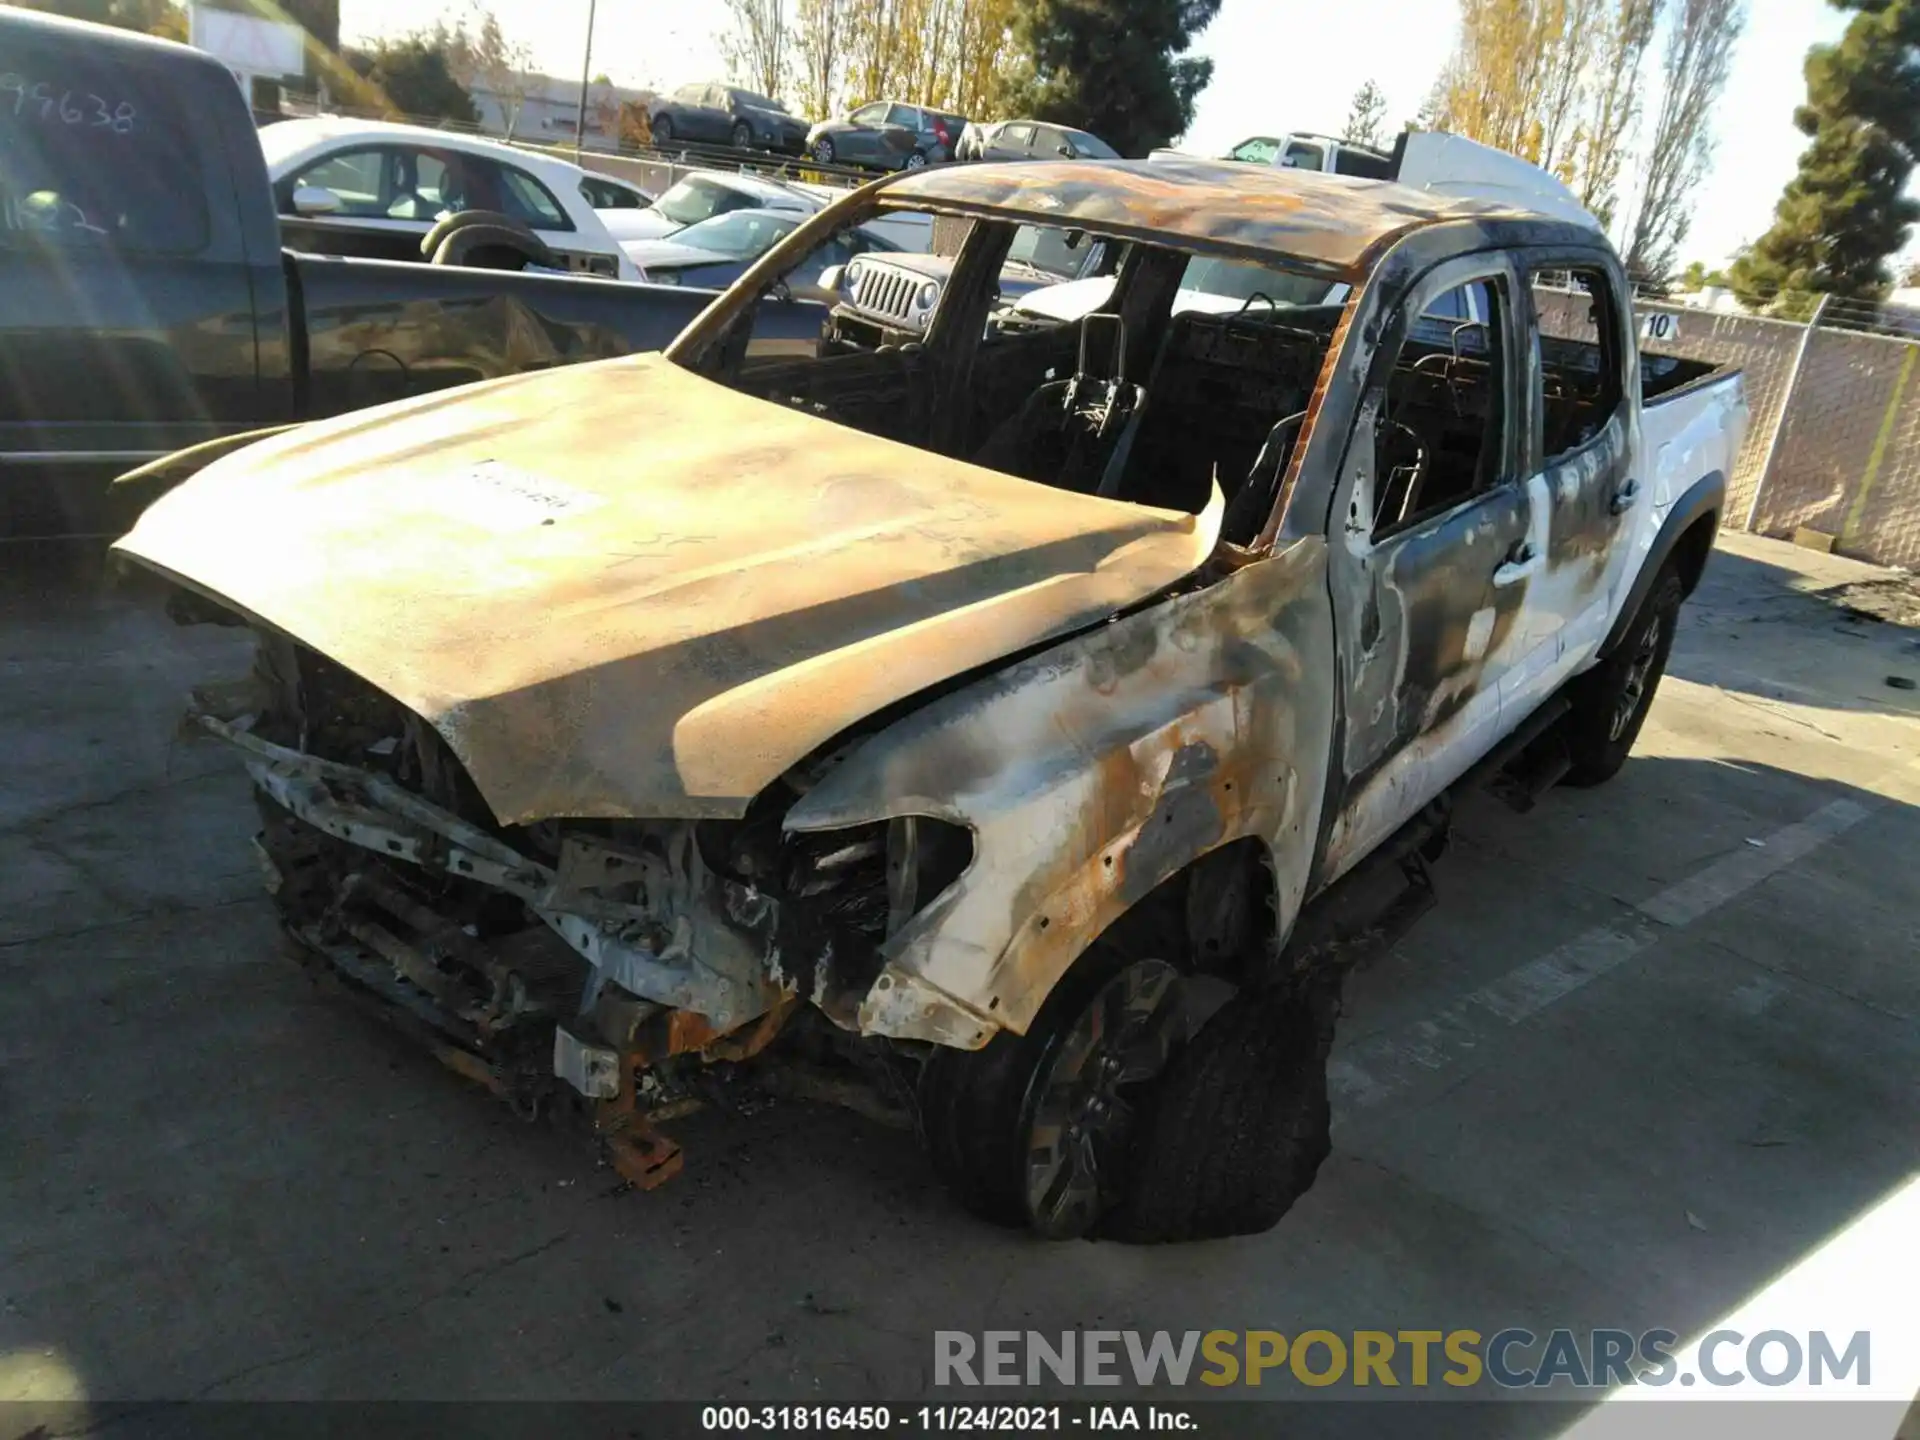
603, 192
719, 114
147, 303
717, 251
1427, 160
887, 135
701, 196
895, 297
1030, 140
374, 189
1039, 725
1438, 164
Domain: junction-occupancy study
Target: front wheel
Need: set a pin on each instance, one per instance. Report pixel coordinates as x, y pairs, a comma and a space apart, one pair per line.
663, 130
1034, 1131
1126, 1111
1611, 701
823, 150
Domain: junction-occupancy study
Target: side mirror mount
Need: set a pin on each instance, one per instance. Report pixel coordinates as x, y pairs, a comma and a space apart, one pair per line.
832, 276
315, 200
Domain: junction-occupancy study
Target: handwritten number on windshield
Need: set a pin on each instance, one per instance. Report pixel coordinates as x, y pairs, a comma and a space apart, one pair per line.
69, 106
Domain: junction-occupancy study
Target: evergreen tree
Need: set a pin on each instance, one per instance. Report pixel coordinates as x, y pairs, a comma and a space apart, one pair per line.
1117, 68
1844, 213
1368, 115
413, 79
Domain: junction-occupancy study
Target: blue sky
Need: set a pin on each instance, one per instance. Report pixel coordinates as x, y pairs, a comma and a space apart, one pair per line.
1278, 65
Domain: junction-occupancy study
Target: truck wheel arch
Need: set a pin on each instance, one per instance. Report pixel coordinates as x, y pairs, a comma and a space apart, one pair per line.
1221, 912
1685, 537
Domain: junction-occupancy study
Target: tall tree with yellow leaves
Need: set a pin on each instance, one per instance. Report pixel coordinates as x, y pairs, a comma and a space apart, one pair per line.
1613, 105
946, 54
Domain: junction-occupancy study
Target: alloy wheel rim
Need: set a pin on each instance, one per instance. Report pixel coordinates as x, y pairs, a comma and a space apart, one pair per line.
1633, 693
1081, 1119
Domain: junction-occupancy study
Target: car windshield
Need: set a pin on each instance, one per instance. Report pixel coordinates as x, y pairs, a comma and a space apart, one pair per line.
1058, 252
1092, 147
755, 99
696, 198
737, 235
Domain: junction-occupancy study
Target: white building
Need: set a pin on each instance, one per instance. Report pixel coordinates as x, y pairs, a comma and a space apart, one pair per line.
258, 52
543, 108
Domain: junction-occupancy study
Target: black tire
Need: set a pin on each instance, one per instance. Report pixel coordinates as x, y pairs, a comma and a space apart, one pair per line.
502, 230
495, 247
978, 1108
822, 150
917, 160
1238, 1124
742, 135
662, 130
1610, 702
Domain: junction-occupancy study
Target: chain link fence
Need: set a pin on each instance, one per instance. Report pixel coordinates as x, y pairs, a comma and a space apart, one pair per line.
1833, 443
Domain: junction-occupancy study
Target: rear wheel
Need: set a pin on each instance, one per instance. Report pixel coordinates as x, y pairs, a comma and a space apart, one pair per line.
1611, 701
742, 135
916, 161
663, 130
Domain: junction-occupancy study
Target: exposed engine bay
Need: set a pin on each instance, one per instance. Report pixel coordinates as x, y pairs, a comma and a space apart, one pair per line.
591, 952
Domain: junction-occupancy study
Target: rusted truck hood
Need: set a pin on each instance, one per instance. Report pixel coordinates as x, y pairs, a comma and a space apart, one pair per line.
623, 590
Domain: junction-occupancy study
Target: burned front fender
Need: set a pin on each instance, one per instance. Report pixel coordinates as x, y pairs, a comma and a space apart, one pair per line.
1089, 774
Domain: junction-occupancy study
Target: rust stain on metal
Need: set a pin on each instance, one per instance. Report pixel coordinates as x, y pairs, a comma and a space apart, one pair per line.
686, 1032
1204, 720
1316, 403
653, 618
1336, 221
645, 1157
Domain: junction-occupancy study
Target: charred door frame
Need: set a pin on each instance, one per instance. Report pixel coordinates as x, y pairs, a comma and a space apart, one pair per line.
1421, 628
1586, 496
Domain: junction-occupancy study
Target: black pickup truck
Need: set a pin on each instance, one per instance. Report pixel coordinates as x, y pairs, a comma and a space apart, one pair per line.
147, 304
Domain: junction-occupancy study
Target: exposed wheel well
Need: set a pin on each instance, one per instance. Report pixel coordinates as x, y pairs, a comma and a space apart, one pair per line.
1214, 916
1691, 550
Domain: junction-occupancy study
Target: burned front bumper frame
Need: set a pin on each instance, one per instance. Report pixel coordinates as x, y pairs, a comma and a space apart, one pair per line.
636, 1007
378, 815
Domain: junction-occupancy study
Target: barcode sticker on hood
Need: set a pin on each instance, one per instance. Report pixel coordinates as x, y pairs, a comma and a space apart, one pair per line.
502, 498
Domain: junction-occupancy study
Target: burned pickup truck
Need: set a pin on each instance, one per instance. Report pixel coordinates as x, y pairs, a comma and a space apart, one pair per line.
1041, 722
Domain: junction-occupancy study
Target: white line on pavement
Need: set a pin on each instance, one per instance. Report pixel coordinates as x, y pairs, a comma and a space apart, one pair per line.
1379, 1067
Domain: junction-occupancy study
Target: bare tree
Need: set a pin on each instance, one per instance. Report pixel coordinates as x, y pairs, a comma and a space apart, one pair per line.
1697, 61
754, 43
1613, 111
1368, 114
820, 51
1573, 25
483, 58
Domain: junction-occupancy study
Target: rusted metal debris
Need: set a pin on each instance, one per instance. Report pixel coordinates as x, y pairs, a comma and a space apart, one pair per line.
1336, 221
